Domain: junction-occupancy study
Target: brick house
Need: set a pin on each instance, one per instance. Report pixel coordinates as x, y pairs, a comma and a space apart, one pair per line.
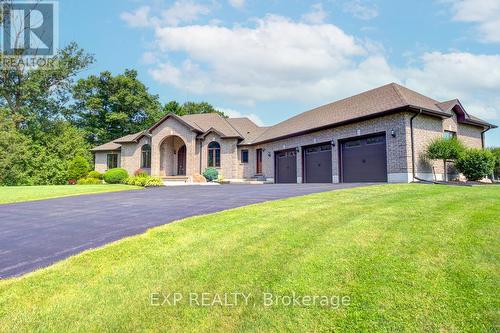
378, 135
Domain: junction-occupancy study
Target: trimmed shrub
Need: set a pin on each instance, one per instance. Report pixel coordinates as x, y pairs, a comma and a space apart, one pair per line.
143, 181
95, 174
444, 149
211, 174
475, 164
153, 182
78, 168
496, 171
115, 176
89, 181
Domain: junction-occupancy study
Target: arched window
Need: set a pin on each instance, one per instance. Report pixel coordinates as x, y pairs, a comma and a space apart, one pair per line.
146, 156
214, 154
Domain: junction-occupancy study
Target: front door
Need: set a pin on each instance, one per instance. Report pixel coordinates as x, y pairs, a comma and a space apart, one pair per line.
181, 161
259, 161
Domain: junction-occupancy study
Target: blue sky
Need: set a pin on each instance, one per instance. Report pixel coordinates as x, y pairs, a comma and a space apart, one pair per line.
272, 59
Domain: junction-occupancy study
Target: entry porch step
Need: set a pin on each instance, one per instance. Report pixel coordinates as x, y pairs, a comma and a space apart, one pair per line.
175, 180
175, 177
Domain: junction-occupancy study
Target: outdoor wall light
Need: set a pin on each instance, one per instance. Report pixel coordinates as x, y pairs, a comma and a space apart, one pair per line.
297, 149
393, 134
333, 142
268, 154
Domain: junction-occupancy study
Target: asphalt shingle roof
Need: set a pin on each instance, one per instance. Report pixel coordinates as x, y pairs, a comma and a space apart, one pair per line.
367, 104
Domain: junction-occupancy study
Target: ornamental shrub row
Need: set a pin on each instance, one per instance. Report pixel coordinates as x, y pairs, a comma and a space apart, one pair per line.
143, 180
474, 164
89, 181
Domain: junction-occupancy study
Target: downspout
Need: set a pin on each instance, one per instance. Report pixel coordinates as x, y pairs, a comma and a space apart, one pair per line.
482, 135
413, 148
201, 155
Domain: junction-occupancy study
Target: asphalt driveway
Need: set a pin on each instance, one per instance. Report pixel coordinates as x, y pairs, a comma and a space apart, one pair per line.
38, 233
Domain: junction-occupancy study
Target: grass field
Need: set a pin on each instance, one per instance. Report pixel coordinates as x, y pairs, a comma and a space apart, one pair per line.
411, 258
10, 194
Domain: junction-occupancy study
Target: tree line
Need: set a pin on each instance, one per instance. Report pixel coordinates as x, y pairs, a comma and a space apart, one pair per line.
49, 116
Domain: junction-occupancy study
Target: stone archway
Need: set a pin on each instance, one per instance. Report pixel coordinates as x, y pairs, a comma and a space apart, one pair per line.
173, 156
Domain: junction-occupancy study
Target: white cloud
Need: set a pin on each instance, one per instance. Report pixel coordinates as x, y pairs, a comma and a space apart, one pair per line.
275, 59
316, 16
237, 3
149, 58
138, 18
473, 79
485, 13
236, 114
182, 11
361, 10
279, 59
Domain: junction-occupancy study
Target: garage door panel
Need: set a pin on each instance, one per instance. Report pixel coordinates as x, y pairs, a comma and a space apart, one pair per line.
318, 164
286, 166
364, 160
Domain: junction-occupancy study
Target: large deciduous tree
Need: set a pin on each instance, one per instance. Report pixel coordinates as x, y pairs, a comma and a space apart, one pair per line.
190, 108
107, 107
33, 97
36, 140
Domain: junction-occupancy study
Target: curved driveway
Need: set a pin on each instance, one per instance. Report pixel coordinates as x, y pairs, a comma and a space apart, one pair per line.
38, 233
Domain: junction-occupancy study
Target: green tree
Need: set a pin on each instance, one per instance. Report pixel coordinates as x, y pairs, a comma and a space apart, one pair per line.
107, 107
172, 107
445, 150
78, 168
16, 155
476, 164
496, 153
190, 108
59, 144
34, 97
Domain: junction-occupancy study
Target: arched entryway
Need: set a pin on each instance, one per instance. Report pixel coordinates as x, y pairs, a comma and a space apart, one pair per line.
173, 156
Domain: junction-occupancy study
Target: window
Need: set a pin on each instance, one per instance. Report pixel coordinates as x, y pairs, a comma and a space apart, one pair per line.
244, 156
350, 144
375, 140
146, 156
112, 161
449, 135
214, 154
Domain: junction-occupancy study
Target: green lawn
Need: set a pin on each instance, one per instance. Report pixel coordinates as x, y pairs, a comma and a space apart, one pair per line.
10, 194
412, 258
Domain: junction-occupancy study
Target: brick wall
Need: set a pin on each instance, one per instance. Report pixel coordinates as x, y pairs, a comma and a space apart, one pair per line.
426, 129
396, 147
101, 160
131, 153
229, 163
172, 127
